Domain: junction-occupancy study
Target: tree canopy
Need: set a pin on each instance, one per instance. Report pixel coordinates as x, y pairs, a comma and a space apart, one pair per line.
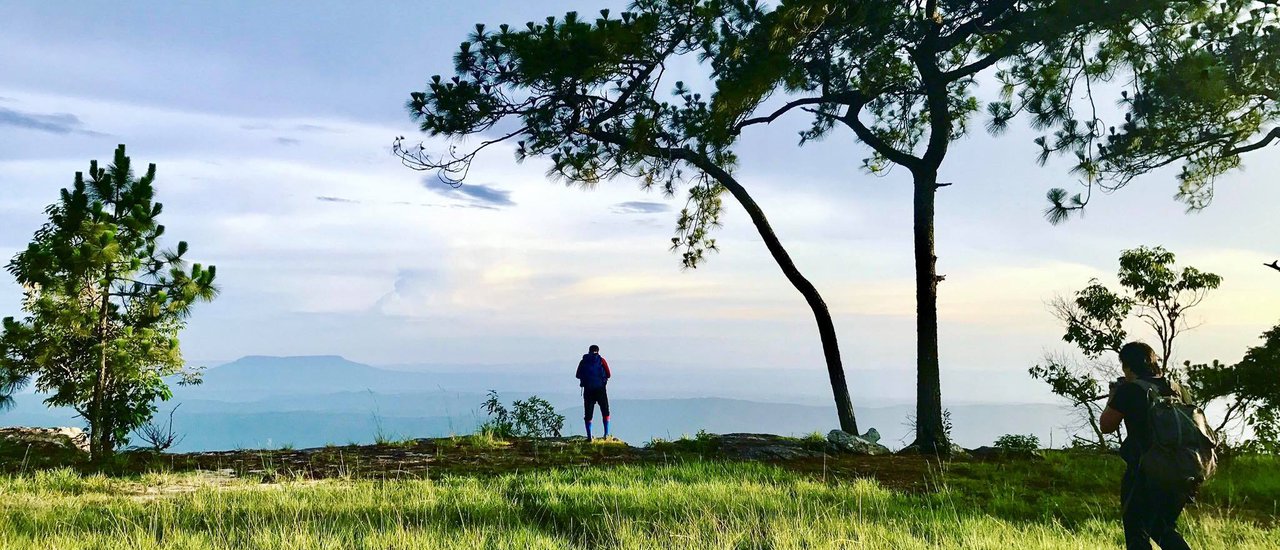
902, 77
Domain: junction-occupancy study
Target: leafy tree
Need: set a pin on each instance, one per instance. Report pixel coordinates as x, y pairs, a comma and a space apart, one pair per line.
1250, 388
1153, 291
104, 303
585, 95
1081, 385
899, 75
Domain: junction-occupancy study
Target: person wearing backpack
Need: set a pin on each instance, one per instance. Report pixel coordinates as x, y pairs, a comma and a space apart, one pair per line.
593, 375
1168, 449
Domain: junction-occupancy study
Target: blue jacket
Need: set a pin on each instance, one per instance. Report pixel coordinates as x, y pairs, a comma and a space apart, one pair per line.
593, 371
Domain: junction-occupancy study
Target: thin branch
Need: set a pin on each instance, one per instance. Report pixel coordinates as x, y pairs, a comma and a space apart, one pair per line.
1274, 134
981, 25
737, 129
1274, 265
418, 159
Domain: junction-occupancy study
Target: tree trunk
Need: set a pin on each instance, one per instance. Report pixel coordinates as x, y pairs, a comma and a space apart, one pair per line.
826, 327
100, 438
931, 436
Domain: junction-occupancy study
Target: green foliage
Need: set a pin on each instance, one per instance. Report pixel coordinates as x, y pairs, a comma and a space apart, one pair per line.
11, 380
532, 417
1250, 388
1197, 87
1080, 385
702, 444
584, 94
1015, 442
104, 303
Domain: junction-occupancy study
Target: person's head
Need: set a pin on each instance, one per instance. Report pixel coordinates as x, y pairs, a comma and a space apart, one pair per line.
594, 349
1139, 360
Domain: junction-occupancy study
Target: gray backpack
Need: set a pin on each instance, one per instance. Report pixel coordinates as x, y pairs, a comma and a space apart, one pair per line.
1181, 456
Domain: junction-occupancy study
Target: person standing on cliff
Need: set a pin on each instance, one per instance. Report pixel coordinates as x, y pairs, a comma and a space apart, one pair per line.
593, 375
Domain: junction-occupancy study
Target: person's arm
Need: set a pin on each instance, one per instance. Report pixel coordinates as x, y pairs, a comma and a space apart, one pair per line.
1116, 406
607, 373
579, 373
1110, 421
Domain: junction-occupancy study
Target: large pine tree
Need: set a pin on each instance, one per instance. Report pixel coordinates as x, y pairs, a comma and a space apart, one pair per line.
104, 303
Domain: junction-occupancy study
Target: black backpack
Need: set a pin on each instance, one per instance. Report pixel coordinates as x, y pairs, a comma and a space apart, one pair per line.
1181, 456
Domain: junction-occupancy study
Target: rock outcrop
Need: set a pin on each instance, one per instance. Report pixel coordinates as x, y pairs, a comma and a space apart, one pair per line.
867, 444
70, 439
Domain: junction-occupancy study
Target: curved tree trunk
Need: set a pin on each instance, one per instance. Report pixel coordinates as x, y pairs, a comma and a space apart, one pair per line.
826, 327
931, 435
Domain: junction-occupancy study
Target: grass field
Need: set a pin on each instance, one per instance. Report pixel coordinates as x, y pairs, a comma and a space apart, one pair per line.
1066, 501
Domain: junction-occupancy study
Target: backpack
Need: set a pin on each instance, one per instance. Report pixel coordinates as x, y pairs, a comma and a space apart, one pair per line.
1181, 456
591, 372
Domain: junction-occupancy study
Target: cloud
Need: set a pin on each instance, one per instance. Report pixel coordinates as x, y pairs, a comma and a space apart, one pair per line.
336, 199
640, 207
316, 128
475, 195
57, 123
308, 128
287, 141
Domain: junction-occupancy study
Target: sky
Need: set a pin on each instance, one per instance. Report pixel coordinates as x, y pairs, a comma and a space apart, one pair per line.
271, 126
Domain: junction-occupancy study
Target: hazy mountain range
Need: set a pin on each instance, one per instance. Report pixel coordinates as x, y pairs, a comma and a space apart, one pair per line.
263, 402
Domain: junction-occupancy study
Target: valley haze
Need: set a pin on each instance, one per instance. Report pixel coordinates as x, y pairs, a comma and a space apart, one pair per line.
311, 401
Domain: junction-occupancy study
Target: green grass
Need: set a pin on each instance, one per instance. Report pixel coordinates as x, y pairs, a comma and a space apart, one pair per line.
1066, 501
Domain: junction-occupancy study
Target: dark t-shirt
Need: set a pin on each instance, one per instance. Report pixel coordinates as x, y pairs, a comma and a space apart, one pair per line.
1132, 401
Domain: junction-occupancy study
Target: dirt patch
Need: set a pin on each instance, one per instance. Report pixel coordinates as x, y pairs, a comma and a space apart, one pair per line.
469, 456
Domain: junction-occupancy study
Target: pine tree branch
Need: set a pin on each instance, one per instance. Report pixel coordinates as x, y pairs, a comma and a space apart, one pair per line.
1274, 134
737, 128
874, 141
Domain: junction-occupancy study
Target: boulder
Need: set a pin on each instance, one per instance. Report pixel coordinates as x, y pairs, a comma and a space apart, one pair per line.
844, 442
72, 439
872, 435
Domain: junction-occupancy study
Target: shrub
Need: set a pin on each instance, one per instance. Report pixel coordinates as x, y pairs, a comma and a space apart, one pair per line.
1016, 442
532, 417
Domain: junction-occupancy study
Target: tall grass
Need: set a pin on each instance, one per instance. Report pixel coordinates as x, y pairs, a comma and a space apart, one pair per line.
690, 505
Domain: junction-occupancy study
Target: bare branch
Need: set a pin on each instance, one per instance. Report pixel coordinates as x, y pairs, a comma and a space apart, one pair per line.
418, 159
737, 128
870, 138
1274, 134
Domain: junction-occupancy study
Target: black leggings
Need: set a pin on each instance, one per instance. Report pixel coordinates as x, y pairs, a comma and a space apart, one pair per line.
591, 396
1150, 513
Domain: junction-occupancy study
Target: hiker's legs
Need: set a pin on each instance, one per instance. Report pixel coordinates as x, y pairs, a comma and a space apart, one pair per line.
1165, 508
604, 409
1133, 505
588, 407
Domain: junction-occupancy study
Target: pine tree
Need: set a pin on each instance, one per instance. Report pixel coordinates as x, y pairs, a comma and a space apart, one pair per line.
104, 303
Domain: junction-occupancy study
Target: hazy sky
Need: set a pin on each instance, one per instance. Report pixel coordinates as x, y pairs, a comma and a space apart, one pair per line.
271, 128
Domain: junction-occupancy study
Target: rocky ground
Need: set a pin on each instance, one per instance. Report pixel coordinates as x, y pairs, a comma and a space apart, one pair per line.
840, 455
